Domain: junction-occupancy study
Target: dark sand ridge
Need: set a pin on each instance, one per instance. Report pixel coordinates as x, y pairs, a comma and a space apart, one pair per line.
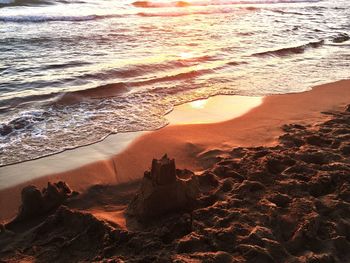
193, 145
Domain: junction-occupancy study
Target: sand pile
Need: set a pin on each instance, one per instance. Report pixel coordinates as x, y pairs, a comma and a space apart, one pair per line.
36, 203
288, 203
163, 191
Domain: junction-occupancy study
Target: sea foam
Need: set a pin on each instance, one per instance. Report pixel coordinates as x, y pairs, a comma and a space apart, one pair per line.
45, 18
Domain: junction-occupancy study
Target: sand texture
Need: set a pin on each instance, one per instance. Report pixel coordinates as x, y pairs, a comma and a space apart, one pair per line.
283, 203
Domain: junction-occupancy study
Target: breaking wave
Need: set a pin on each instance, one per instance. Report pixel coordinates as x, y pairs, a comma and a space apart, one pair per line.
290, 50
48, 18
5, 3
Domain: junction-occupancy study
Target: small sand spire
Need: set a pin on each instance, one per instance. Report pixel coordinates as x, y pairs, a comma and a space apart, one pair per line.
163, 171
161, 191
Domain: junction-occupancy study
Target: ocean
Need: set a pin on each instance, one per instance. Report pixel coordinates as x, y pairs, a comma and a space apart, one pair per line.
75, 71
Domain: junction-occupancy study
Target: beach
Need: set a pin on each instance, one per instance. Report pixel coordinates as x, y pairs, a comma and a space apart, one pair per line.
194, 146
236, 161
156, 131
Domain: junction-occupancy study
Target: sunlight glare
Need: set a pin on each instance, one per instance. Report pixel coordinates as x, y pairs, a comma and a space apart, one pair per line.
198, 104
186, 55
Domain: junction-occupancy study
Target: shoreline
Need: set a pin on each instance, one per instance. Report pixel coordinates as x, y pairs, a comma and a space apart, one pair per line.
283, 203
193, 145
93, 164
196, 112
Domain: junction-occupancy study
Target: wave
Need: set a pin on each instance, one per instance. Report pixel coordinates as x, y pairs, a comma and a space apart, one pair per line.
39, 19
341, 37
65, 98
6, 3
150, 4
121, 78
101, 90
236, 63
66, 65
290, 50
283, 12
145, 69
48, 18
26, 120
105, 90
176, 14
115, 89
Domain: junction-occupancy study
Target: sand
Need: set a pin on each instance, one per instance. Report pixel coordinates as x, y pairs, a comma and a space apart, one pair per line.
194, 145
285, 202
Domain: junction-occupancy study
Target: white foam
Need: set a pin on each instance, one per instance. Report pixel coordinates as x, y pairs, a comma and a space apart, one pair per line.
44, 18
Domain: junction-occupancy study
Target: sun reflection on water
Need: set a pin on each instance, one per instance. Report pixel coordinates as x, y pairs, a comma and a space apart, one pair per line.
198, 104
186, 55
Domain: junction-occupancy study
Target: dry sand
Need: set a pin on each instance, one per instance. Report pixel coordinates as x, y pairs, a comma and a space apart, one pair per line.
194, 145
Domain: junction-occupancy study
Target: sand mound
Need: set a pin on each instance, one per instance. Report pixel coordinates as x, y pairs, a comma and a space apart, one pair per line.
162, 191
36, 203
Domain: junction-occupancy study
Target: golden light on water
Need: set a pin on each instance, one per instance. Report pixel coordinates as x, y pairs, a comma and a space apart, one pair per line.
214, 109
186, 55
198, 104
